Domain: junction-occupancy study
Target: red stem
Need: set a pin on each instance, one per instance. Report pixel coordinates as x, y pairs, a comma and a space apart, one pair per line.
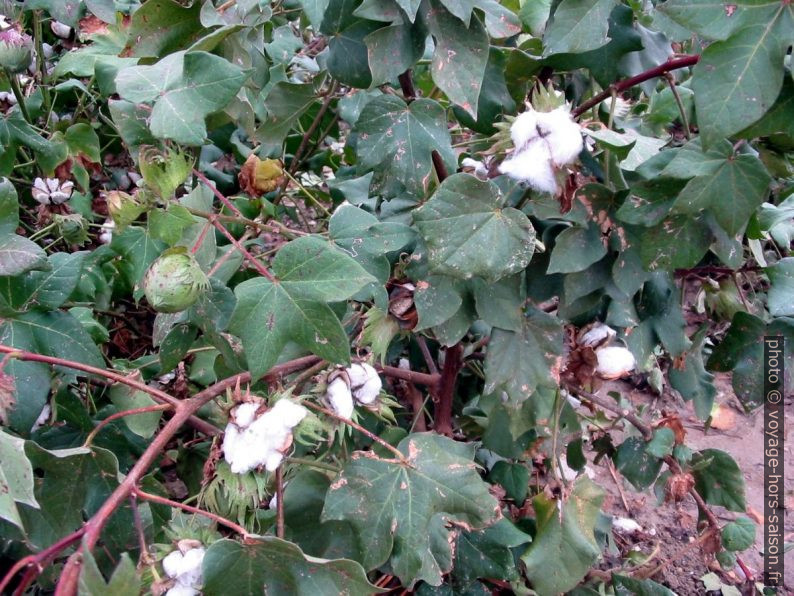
189, 508
218, 193
39, 559
431, 380
620, 86
446, 392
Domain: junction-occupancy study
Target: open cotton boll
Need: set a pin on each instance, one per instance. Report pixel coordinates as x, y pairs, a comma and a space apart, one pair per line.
595, 335
185, 569
479, 167
533, 166
62, 30
181, 590
524, 128
563, 135
339, 397
44, 416
614, 362
250, 441
365, 382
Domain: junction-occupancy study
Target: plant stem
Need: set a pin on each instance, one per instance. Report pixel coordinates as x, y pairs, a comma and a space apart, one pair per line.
133, 412
312, 463
280, 502
161, 396
453, 362
651, 73
419, 378
400, 457
645, 430
40, 559
17, 90
684, 120
189, 508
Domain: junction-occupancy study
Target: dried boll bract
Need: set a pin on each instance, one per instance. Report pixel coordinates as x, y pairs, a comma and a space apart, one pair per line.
252, 440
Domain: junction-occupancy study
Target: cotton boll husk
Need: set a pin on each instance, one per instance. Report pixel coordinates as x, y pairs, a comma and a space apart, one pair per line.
562, 134
524, 128
339, 397
533, 166
614, 362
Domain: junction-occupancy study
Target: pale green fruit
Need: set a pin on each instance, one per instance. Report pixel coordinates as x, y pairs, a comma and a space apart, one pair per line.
174, 281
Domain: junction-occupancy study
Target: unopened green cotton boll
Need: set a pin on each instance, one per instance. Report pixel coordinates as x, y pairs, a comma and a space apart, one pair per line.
15, 50
174, 281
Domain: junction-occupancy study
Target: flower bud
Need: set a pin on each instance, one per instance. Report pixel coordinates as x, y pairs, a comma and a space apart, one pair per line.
15, 50
123, 208
258, 176
174, 281
163, 171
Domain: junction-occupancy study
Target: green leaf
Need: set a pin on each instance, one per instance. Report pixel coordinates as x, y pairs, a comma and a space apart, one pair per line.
185, 88
169, 224
304, 498
123, 582
67, 12
662, 442
739, 534
392, 50
692, 380
678, 242
401, 512
499, 304
138, 250
9, 208
514, 478
578, 26
268, 315
347, 58
160, 27
737, 80
460, 56
576, 248
469, 232
519, 362
742, 351
564, 547
637, 464
716, 20
487, 554
16, 479
437, 299
125, 397
781, 278
48, 289
19, 255
398, 139
732, 192
285, 104
718, 479
639, 587
267, 564
83, 140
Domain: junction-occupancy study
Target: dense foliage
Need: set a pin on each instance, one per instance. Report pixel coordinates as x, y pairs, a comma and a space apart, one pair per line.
400, 251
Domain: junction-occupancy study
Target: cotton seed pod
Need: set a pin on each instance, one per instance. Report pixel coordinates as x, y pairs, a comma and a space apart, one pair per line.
15, 50
594, 335
614, 362
163, 171
124, 208
339, 397
174, 281
365, 382
260, 176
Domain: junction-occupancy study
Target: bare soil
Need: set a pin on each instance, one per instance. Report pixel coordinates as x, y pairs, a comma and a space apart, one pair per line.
669, 530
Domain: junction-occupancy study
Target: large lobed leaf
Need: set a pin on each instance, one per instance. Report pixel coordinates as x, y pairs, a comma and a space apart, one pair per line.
402, 512
310, 273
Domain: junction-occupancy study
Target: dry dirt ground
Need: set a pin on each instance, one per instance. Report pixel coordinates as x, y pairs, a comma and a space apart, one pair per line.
668, 529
